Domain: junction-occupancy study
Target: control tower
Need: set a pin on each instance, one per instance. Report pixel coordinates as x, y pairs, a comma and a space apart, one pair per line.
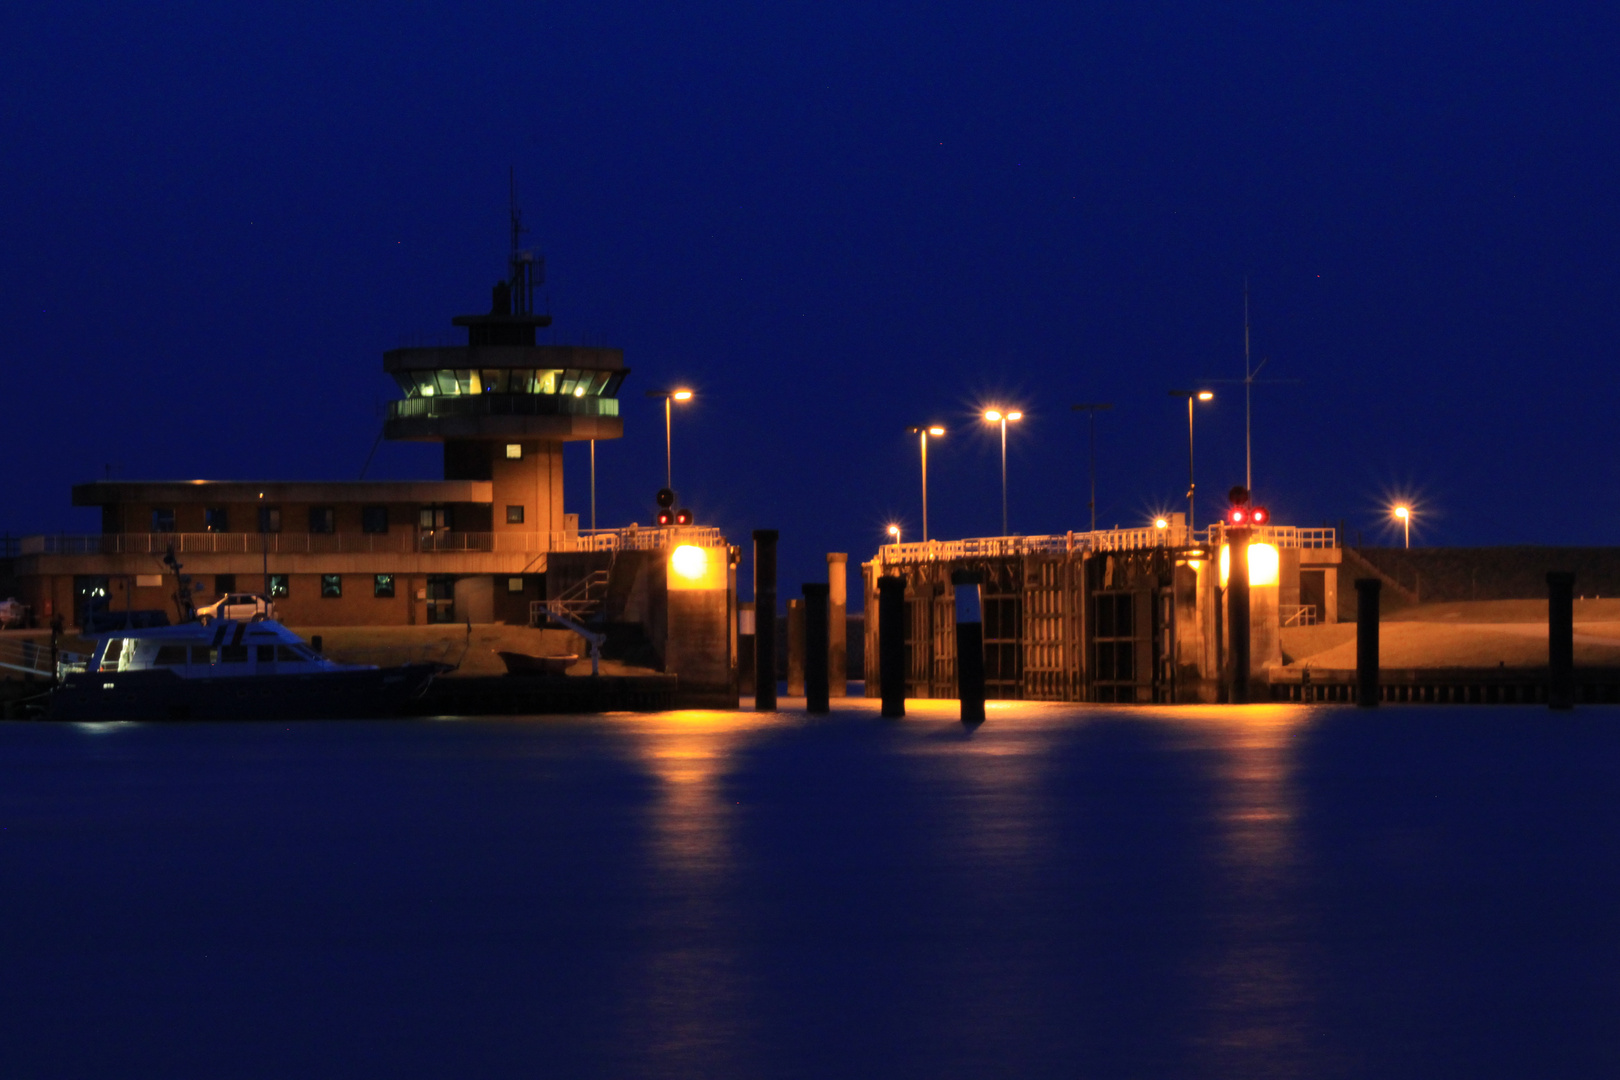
503, 406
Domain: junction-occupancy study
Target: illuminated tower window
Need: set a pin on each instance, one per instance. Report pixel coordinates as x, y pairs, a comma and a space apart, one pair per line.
514, 451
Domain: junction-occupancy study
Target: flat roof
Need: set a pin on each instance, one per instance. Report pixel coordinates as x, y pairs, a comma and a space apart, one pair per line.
472, 357
112, 492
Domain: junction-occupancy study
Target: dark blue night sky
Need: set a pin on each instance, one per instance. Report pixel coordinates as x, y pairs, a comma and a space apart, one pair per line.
836, 220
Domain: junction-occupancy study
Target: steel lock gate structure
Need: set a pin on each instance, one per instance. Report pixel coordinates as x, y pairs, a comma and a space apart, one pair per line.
1127, 615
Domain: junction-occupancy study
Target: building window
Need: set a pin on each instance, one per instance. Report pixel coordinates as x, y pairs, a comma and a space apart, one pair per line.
514, 584
514, 515
216, 520
383, 586
434, 518
331, 586
269, 519
163, 519
322, 519
278, 585
514, 451
374, 519
225, 583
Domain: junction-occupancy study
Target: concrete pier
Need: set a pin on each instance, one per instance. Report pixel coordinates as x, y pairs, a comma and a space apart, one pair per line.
837, 628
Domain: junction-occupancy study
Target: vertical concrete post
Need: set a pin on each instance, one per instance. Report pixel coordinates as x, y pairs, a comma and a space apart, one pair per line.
816, 605
745, 648
969, 645
1237, 610
1560, 639
837, 627
765, 620
795, 649
891, 615
1367, 590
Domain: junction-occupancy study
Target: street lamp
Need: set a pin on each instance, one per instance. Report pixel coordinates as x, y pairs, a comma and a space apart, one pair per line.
1404, 513
1191, 396
894, 533
681, 394
1092, 409
922, 434
999, 416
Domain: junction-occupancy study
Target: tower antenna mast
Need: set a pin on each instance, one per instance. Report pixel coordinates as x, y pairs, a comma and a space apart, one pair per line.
527, 268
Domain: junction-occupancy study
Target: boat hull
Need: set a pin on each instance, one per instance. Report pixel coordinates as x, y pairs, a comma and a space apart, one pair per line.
163, 695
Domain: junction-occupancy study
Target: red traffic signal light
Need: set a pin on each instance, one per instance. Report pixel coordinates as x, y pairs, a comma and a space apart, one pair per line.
1259, 516
666, 517
1238, 516
683, 516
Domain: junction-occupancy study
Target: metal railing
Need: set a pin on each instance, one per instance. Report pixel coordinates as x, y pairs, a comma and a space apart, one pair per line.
502, 405
1297, 614
1103, 540
345, 543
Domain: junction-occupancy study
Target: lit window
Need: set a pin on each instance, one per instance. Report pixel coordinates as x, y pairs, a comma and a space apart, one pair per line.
383, 586
514, 451
163, 519
514, 584
374, 519
278, 585
331, 586
514, 515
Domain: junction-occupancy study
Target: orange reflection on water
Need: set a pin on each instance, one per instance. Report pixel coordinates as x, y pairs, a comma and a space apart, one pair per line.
1252, 970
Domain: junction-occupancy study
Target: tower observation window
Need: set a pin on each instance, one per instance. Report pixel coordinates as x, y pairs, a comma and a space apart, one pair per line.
461, 382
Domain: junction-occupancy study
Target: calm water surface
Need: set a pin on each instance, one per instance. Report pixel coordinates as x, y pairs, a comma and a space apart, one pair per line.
1074, 892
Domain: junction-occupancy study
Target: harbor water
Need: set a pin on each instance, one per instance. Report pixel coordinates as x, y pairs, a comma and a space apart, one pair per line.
1066, 891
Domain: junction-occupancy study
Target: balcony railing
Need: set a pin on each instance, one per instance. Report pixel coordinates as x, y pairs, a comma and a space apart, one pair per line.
1103, 540
398, 543
502, 405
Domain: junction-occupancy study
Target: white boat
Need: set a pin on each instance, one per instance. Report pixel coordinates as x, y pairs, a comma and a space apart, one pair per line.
227, 670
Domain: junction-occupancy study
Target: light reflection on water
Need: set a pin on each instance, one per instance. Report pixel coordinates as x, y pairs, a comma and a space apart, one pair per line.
1256, 1000
1065, 891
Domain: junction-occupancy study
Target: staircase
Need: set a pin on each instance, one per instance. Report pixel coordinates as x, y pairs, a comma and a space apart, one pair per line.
578, 608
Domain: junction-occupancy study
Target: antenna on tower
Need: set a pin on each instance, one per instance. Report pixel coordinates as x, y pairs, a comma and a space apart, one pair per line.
526, 266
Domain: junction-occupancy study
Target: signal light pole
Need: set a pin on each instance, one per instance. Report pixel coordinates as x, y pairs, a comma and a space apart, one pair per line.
1092, 409
1191, 396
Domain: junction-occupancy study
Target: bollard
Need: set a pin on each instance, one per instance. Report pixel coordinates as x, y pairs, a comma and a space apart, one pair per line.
1367, 590
765, 620
1237, 612
817, 603
969, 645
892, 645
1560, 639
837, 624
795, 647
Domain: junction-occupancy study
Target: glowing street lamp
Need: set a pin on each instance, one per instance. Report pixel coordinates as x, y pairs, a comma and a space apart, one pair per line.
894, 534
1191, 396
922, 434
681, 394
1404, 514
1002, 417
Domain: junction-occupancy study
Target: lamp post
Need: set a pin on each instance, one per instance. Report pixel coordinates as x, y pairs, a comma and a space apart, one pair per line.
1000, 416
922, 434
1092, 409
1191, 396
669, 396
1404, 513
894, 534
